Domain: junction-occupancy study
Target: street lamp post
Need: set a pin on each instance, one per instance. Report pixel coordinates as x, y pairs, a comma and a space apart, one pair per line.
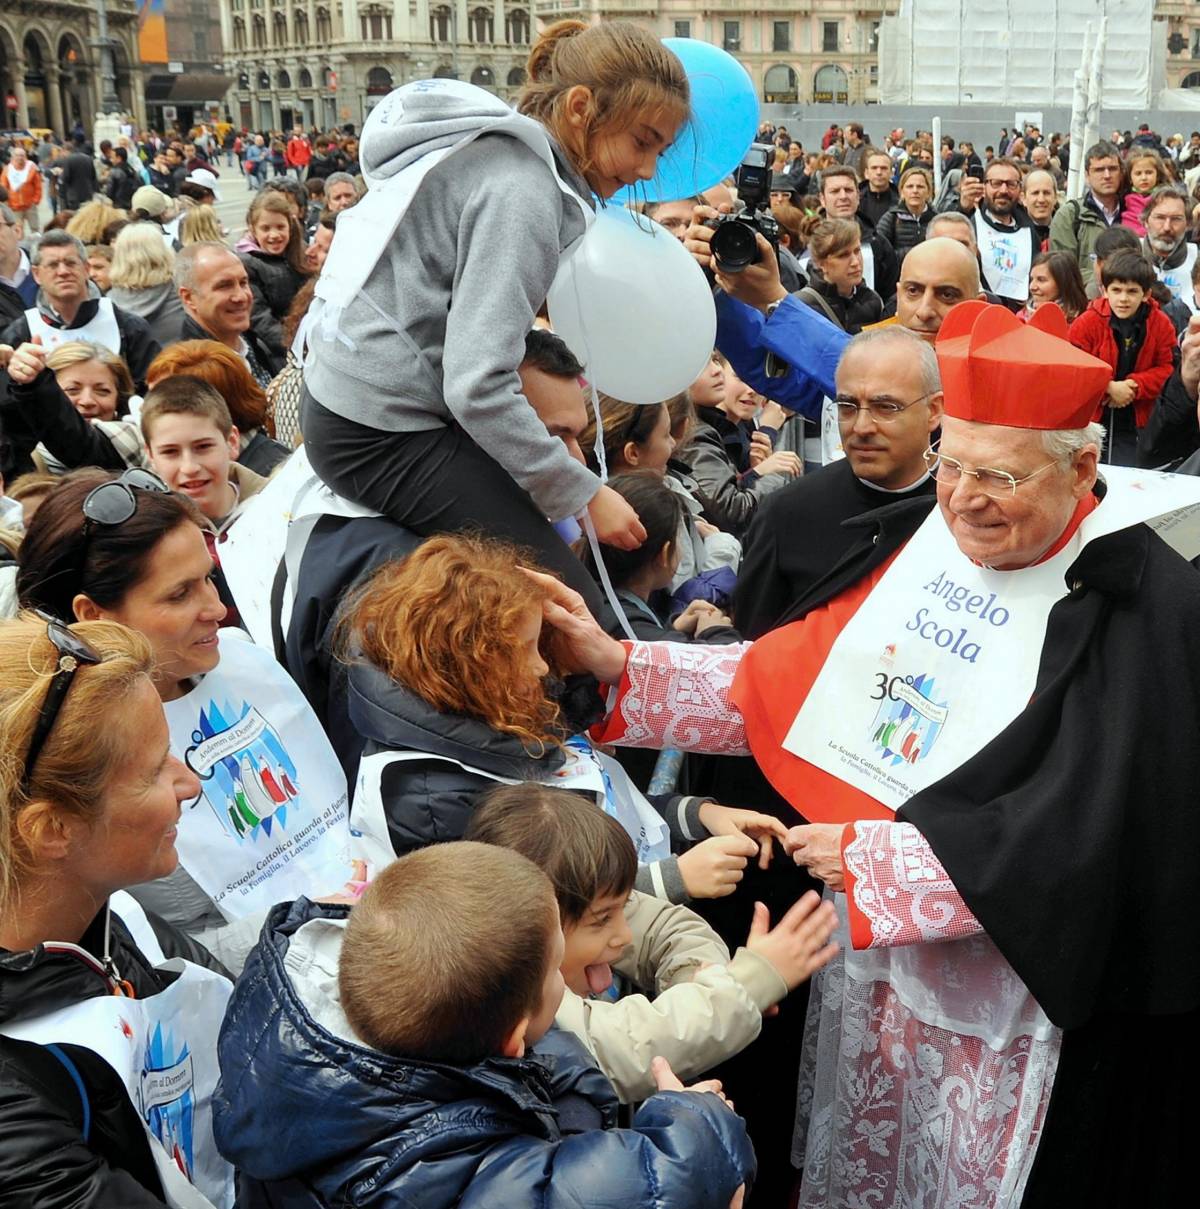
109, 101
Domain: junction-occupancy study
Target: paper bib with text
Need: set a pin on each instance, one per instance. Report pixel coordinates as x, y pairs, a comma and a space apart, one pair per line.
944, 654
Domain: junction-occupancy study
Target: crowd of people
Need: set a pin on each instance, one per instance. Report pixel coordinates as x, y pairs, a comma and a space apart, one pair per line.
427, 779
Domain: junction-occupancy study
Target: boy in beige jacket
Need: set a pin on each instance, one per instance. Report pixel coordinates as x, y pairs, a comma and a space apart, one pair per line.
697, 1006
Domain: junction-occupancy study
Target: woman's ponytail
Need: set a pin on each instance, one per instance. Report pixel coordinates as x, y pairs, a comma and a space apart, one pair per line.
538, 65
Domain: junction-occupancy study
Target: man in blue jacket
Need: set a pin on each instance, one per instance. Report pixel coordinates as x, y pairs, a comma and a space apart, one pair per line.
787, 351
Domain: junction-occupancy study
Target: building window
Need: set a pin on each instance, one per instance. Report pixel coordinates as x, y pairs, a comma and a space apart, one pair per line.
264, 80
779, 85
283, 80
873, 44
516, 77
683, 29
239, 34
259, 32
305, 78
781, 35
517, 27
200, 43
733, 36
376, 24
484, 77
280, 20
300, 25
324, 26
1196, 42
439, 24
379, 82
829, 35
482, 26
1191, 80
831, 85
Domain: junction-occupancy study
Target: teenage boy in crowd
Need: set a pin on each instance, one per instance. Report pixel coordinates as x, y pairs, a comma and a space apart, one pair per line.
193, 446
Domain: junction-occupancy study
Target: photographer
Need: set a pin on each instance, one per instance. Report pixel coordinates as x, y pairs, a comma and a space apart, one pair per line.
789, 352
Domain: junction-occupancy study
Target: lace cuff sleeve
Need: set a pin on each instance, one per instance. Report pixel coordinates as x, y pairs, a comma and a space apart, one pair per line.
676, 694
897, 891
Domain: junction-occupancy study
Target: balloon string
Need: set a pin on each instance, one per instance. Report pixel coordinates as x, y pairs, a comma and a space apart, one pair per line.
590, 529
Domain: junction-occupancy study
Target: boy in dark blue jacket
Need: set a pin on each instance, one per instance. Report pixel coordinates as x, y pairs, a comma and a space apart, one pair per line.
382, 1056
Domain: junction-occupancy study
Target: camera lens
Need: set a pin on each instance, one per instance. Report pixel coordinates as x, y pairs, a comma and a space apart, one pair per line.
734, 246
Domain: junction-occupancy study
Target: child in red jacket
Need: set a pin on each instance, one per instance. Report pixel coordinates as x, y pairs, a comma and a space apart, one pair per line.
1127, 329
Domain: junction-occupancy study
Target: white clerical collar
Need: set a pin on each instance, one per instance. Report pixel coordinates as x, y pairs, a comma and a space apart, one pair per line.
895, 490
14, 282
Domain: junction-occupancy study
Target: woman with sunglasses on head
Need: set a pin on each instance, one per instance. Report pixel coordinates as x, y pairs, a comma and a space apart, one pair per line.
85, 812
129, 550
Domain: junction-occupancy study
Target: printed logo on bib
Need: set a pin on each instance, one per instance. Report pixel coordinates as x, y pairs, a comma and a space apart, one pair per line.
909, 719
167, 1099
1003, 256
251, 778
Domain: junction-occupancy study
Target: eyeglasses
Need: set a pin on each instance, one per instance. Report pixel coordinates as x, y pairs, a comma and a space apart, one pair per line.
113, 503
882, 411
995, 484
73, 651
1012, 186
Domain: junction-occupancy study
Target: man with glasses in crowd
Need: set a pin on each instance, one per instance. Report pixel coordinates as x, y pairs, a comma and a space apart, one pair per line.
1004, 232
1079, 221
991, 735
69, 307
1166, 245
18, 290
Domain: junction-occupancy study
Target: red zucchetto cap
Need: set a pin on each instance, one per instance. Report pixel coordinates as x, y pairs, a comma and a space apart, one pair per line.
998, 370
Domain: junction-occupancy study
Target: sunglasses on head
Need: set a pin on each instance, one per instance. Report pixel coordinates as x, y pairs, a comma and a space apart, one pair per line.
73, 652
113, 503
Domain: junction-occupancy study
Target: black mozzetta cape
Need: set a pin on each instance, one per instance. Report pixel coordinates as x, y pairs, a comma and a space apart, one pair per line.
1074, 836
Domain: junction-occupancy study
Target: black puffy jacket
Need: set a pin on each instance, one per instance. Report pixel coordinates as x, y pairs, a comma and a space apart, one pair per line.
274, 284
45, 1159
312, 1118
431, 800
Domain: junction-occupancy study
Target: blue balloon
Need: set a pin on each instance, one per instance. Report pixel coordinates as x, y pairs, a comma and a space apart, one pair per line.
724, 122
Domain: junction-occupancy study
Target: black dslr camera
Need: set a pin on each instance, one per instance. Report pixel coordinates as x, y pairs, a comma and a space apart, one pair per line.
733, 243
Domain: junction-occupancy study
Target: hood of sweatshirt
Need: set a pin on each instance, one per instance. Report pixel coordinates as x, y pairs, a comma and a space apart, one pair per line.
429, 115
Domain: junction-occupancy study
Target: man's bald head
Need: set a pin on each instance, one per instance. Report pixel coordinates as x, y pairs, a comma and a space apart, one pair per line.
936, 275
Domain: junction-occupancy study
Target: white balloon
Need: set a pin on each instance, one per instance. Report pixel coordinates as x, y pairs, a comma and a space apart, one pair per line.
635, 308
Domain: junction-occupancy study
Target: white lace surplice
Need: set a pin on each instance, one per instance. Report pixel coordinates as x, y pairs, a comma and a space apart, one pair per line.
927, 1065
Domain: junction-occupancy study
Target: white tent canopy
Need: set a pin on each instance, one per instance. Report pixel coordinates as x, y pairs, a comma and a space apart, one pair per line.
1021, 53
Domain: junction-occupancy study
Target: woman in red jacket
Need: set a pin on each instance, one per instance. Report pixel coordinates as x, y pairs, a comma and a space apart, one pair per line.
1127, 329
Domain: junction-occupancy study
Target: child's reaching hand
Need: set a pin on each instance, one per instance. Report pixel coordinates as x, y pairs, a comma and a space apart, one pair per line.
729, 820
668, 1080
799, 944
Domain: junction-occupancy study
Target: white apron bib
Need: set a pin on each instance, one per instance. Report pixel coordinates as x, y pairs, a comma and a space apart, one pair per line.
101, 329
943, 654
272, 820
586, 770
868, 255
1179, 279
1006, 257
164, 1050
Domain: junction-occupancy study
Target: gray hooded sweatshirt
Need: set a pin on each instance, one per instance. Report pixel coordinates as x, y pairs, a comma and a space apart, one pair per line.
467, 270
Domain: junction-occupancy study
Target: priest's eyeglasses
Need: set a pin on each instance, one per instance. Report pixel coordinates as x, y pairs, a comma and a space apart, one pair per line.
995, 484
882, 411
